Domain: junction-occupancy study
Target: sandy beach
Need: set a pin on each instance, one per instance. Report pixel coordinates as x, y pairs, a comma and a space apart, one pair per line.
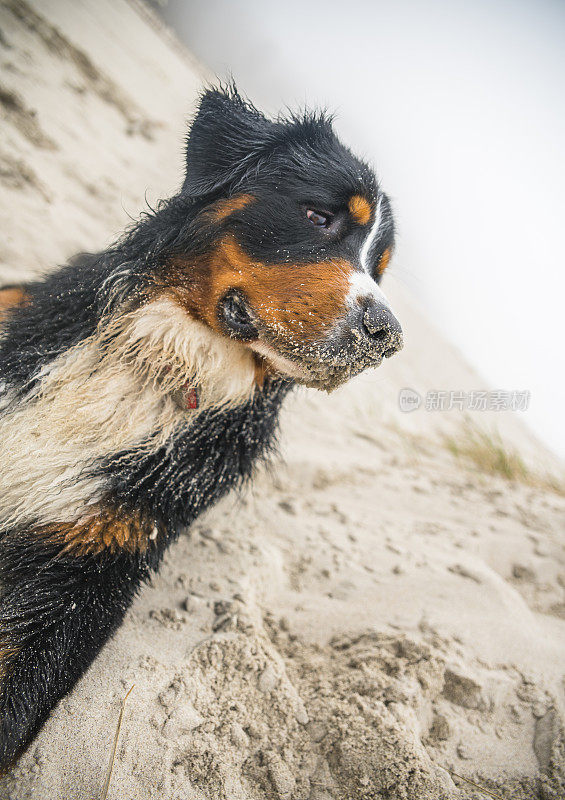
381, 614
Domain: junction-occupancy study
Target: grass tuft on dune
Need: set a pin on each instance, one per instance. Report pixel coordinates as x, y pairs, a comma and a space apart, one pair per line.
490, 455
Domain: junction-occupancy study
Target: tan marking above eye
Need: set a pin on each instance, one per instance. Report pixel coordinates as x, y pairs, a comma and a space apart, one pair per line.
360, 209
225, 208
383, 263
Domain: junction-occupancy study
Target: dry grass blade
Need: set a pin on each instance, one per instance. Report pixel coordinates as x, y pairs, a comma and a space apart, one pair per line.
476, 786
104, 793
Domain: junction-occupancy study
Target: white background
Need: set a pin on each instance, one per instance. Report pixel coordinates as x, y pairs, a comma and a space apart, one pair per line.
460, 106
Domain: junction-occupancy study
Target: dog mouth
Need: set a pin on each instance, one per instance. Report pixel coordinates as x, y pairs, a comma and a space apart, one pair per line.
328, 377
326, 371
324, 364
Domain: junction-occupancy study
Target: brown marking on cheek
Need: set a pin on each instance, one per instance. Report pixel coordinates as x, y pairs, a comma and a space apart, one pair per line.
11, 298
298, 301
383, 263
225, 208
188, 284
109, 530
360, 209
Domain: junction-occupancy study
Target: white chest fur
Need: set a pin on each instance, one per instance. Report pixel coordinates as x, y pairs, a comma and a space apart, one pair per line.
108, 394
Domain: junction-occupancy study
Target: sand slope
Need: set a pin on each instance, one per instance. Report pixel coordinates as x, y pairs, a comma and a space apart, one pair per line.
371, 618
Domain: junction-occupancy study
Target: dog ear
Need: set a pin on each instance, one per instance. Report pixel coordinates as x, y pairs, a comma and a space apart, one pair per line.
226, 138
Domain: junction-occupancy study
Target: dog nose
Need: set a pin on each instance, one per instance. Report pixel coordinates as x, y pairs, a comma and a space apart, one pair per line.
379, 324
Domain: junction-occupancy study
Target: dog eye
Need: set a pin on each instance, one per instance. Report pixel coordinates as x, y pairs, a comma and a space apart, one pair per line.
318, 219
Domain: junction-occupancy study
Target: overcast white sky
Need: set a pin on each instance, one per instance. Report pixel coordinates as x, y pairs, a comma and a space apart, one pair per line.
460, 106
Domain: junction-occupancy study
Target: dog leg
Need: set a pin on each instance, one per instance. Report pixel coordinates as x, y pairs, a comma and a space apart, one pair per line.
56, 611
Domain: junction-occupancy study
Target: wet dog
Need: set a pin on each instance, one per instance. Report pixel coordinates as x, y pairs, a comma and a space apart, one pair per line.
141, 384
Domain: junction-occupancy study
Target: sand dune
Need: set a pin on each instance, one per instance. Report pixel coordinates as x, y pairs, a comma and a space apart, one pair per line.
373, 617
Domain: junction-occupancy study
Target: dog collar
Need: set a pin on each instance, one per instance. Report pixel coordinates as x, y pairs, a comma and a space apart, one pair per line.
187, 397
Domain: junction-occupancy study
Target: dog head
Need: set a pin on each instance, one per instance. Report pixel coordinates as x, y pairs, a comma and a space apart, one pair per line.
289, 242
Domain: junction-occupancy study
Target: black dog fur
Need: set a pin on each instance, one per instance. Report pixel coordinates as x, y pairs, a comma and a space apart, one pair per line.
273, 194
